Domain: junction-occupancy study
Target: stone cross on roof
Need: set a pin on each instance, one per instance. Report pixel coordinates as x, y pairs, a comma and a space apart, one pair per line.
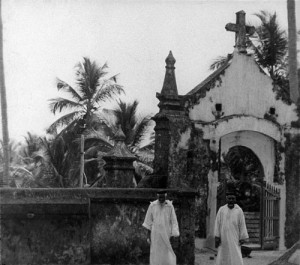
241, 31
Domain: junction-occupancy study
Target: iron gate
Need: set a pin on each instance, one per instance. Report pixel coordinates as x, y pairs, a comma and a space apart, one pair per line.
269, 226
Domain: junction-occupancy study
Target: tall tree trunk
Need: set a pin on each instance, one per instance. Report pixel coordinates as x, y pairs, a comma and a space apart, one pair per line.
293, 77
4, 181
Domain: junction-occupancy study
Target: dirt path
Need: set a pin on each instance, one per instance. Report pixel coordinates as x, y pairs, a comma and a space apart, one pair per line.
204, 257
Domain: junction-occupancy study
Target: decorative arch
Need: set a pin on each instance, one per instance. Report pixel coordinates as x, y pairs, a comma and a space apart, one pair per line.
261, 145
236, 123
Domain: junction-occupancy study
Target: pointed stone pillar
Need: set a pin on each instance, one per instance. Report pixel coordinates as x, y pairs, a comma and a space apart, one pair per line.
119, 164
169, 106
168, 98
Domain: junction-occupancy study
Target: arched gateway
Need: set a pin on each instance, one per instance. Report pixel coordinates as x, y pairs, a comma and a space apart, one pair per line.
236, 111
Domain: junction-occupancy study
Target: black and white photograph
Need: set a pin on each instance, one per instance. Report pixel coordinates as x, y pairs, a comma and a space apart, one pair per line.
160, 132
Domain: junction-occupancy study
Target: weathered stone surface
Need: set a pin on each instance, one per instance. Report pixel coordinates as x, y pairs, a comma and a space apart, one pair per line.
86, 226
119, 164
117, 234
292, 176
44, 239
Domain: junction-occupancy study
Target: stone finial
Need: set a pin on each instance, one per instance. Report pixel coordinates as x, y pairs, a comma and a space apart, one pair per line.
170, 61
241, 31
119, 164
170, 87
119, 136
120, 150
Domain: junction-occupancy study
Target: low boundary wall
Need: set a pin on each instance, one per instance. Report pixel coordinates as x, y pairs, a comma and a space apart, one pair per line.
87, 226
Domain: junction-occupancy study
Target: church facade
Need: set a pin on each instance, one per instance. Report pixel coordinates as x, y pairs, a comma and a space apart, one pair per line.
233, 127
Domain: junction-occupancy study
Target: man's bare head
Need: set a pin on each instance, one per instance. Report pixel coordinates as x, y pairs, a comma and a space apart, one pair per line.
161, 196
230, 199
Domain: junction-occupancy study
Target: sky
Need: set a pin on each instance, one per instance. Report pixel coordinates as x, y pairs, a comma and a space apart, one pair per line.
45, 39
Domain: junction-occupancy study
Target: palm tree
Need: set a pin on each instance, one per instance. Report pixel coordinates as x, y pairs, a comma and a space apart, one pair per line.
6, 159
136, 130
92, 89
272, 47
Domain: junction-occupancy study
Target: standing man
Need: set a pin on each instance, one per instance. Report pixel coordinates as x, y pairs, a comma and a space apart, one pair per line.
161, 223
230, 232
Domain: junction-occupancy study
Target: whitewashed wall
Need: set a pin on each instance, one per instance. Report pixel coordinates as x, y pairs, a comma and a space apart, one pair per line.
244, 89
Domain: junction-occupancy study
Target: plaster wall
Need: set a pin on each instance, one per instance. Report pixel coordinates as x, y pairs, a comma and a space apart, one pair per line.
243, 89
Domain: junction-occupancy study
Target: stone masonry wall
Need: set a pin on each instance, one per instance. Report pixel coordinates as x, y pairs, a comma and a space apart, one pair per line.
292, 177
86, 226
189, 162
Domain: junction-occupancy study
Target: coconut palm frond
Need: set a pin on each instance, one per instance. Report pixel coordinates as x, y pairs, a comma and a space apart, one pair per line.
114, 78
41, 155
140, 131
131, 110
272, 41
262, 15
108, 91
148, 147
102, 70
108, 112
20, 171
88, 77
107, 127
125, 116
65, 120
145, 157
62, 85
142, 169
219, 61
97, 142
59, 104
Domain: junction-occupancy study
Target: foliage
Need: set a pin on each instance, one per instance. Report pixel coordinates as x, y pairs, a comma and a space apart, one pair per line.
219, 61
272, 43
118, 236
19, 175
136, 130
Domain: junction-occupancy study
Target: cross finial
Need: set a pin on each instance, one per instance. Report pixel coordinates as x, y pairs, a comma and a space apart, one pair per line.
241, 30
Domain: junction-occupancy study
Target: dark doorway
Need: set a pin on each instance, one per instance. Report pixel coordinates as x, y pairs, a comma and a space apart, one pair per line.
242, 169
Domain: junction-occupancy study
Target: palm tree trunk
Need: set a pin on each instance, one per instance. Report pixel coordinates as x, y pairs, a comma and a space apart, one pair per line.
293, 77
4, 181
81, 161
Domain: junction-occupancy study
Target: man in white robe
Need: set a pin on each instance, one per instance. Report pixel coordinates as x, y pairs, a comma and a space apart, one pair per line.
161, 222
230, 232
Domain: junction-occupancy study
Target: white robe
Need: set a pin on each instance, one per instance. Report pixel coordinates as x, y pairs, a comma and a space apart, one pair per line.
230, 226
162, 222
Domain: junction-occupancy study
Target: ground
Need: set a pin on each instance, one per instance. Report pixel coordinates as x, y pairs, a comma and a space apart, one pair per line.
206, 256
